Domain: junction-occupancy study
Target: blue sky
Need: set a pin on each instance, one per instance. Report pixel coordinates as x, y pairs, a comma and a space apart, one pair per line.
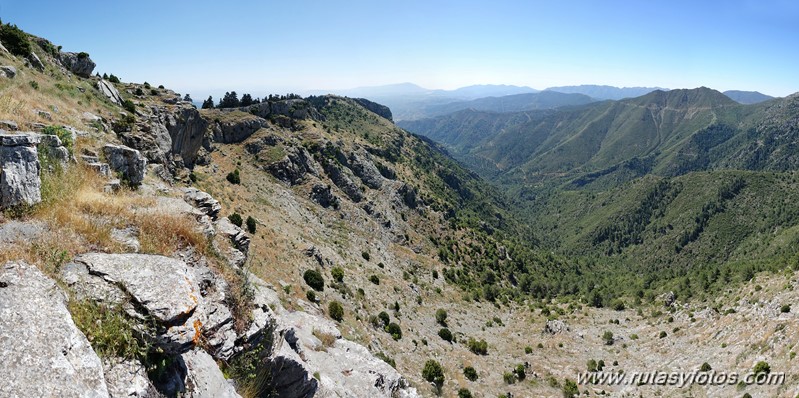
208, 47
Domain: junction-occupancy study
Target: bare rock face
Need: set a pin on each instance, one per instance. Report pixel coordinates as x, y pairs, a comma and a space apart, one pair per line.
323, 195
203, 201
51, 147
127, 161
238, 130
340, 176
42, 352
19, 170
204, 379
374, 107
108, 89
8, 71
186, 129
77, 63
35, 62
555, 327
366, 170
293, 168
126, 378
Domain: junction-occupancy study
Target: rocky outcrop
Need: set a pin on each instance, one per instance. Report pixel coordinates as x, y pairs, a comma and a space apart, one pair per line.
408, 196
77, 63
293, 168
374, 107
228, 132
344, 367
52, 148
365, 170
38, 337
204, 379
127, 378
8, 71
107, 88
8, 125
19, 170
127, 161
555, 326
186, 129
294, 109
172, 136
323, 195
35, 62
203, 202
237, 237
343, 181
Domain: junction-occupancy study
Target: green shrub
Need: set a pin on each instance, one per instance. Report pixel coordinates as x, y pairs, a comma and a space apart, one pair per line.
386, 359
470, 373
509, 377
528, 350
129, 106
591, 365
618, 305
154, 92
235, 219
311, 295
234, 177
762, 367
384, 318
251, 225
337, 273
445, 334
705, 367
786, 308
374, 279
139, 91
63, 134
394, 330
15, 40
113, 79
570, 389
479, 347
123, 124
314, 279
110, 331
663, 334
83, 55
464, 393
335, 310
34, 84
365, 256
520, 372
433, 373
607, 337
441, 317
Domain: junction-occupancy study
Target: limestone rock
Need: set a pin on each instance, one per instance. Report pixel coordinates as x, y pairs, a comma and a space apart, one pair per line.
8, 71
366, 170
342, 180
126, 378
555, 326
38, 338
374, 107
237, 236
203, 201
323, 195
186, 130
19, 170
204, 379
77, 63
8, 125
127, 161
51, 147
228, 132
35, 61
15, 231
108, 89
293, 167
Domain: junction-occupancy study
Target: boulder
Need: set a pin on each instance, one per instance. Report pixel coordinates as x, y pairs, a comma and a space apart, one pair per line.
35, 61
77, 63
237, 236
19, 170
127, 161
107, 88
8, 71
555, 326
669, 299
51, 147
42, 352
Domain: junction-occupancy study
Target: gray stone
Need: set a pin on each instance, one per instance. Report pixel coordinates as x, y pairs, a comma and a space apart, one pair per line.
366, 170
236, 235
19, 170
35, 61
127, 379
555, 326
42, 352
77, 64
128, 237
237, 130
51, 147
323, 195
8, 71
8, 125
43, 114
107, 88
127, 161
101, 168
15, 231
204, 379
669, 299
342, 180
203, 201
293, 168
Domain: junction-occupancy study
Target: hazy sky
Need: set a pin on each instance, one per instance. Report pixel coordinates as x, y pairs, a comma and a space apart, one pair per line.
203, 47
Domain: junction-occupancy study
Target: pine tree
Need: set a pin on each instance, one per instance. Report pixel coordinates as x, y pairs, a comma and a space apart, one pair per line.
246, 100
209, 103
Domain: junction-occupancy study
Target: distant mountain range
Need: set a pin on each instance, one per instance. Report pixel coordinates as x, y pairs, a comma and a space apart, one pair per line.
747, 97
606, 92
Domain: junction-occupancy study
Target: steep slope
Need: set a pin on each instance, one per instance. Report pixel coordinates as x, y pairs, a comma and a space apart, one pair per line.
747, 97
511, 103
